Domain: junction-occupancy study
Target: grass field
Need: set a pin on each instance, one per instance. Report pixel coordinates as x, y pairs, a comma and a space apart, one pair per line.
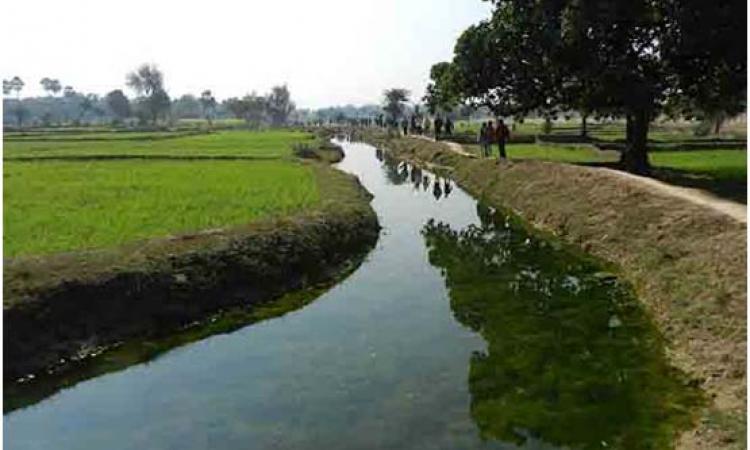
265, 144
77, 201
63, 206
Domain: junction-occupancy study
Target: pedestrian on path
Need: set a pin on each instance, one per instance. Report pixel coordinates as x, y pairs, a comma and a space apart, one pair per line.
448, 127
490, 138
438, 127
482, 139
503, 135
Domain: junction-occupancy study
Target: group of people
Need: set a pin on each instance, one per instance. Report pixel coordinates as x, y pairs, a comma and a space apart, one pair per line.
441, 126
490, 134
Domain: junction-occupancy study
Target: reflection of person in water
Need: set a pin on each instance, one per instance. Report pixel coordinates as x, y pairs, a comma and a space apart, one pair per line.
447, 188
484, 213
437, 191
416, 176
425, 182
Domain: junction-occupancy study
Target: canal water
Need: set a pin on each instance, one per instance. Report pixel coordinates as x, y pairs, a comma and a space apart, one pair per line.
460, 330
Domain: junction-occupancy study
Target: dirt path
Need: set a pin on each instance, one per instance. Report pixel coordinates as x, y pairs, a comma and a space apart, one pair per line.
454, 147
736, 211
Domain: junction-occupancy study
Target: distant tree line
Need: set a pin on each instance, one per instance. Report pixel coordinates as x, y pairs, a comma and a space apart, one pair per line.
634, 59
150, 106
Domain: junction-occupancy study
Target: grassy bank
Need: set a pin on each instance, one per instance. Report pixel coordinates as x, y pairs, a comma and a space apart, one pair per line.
686, 263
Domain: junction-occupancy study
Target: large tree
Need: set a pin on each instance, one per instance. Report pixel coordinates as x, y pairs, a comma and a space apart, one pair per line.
148, 82
607, 57
119, 104
707, 53
394, 101
279, 105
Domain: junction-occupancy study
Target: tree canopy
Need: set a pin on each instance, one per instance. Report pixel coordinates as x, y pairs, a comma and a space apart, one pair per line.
279, 105
610, 57
148, 82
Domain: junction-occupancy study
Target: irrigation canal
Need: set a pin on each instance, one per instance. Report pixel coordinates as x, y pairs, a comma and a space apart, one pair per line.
460, 330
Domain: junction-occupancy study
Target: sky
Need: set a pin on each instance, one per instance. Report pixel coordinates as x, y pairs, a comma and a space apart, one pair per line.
328, 52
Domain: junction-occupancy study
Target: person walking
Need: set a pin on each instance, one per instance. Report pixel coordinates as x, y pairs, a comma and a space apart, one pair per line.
490, 137
503, 134
438, 127
448, 127
482, 139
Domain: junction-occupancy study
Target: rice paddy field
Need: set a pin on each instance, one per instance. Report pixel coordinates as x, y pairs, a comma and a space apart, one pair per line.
246, 144
79, 200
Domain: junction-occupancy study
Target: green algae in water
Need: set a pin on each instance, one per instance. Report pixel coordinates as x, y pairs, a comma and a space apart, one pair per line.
572, 359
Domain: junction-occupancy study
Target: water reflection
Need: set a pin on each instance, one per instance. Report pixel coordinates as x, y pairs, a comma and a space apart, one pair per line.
399, 172
571, 358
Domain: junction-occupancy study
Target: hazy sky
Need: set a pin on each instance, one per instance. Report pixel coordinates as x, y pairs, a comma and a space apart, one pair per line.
328, 51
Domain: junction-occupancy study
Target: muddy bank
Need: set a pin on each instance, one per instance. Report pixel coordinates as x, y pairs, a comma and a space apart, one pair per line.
67, 306
687, 263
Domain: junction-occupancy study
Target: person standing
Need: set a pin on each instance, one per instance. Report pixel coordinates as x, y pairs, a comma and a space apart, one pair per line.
448, 127
490, 137
503, 134
482, 139
438, 127
405, 126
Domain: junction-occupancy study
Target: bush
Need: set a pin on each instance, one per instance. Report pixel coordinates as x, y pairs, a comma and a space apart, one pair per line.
703, 128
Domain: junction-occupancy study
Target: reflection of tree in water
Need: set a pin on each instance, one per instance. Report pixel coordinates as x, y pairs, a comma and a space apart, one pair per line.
571, 358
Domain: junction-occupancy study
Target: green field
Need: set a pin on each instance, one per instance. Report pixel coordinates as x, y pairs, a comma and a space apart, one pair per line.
63, 206
720, 171
264, 144
77, 201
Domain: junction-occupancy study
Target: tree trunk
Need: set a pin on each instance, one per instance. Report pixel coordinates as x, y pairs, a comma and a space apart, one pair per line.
634, 157
584, 130
717, 124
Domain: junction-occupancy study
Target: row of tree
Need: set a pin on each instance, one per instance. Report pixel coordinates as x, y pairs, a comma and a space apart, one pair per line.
606, 58
151, 104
